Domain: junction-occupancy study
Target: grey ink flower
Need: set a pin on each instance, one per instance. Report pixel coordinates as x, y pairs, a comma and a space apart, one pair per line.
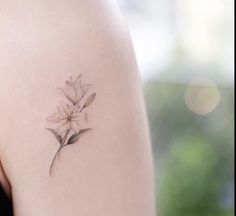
70, 112
66, 117
75, 90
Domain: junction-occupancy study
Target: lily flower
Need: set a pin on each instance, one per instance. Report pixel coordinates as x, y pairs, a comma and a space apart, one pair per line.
74, 90
67, 116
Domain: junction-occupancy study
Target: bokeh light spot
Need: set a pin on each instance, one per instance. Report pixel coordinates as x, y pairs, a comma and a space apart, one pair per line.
202, 95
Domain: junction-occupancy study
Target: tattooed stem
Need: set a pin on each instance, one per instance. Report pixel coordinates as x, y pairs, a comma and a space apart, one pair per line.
65, 137
53, 161
59, 150
64, 140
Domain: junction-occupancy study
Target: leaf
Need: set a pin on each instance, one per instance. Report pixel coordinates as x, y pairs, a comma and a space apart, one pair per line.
58, 137
90, 99
76, 136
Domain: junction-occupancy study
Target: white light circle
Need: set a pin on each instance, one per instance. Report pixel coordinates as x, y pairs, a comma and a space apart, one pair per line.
202, 95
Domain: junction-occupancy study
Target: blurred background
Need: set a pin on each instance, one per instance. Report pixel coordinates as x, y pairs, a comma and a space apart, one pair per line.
186, 58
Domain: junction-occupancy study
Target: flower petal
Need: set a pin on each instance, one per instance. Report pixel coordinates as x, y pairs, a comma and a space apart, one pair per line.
73, 109
75, 126
65, 125
67, 95
77, 81
54, 119
61, 112
75, 115
64, 108
70, 92
85, 87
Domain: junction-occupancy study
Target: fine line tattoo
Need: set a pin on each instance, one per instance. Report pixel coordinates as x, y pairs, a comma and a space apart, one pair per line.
71, 111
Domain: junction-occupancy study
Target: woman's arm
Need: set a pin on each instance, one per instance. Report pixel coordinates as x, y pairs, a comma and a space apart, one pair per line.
107, 171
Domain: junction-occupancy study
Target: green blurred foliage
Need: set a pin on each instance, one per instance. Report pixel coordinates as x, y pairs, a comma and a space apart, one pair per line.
193, 153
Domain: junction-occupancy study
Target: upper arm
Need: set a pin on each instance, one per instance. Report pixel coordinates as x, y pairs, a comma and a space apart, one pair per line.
108, 170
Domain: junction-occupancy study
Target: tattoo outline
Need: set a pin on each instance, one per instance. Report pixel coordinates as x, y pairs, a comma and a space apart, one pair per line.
71, 110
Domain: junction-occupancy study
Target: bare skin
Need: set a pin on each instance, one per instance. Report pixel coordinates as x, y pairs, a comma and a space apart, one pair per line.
108, 172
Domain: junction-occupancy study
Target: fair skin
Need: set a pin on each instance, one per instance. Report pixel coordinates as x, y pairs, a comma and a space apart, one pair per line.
109, 171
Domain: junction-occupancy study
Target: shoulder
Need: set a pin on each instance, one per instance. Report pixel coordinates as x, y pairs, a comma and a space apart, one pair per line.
55, 34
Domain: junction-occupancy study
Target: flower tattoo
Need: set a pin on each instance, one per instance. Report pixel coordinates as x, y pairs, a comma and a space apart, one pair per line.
71, 111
